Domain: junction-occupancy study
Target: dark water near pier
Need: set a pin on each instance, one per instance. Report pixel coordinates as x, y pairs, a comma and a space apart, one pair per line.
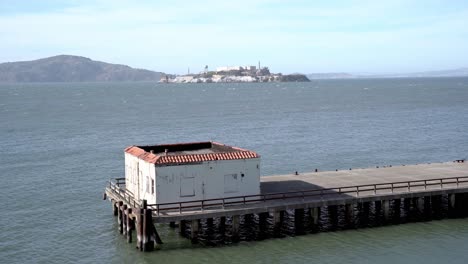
61, 142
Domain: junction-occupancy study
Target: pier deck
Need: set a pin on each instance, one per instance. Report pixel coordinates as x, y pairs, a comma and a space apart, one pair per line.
368, 176
317, 189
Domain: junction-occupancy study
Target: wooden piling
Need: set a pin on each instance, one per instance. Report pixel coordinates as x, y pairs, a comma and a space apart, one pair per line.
262, 222
460, 201
378, 211
315, 215
427, 207
349, 215
464, 205
124, 219
396, 211
114, 207
129, 225
420, 204
209, 222
436, 203
333, 216
222, 224
386, 209
182, 225
299, 221
148, 231
277, 222
120, 216
407, 205
139, 219
451, 205
194, 228
235, 228
365, 214
172, 225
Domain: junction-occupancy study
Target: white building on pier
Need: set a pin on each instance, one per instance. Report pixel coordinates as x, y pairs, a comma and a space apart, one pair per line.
190, 171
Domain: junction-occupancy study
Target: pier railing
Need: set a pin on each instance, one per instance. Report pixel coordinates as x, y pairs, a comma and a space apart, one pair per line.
117, 187
356, 190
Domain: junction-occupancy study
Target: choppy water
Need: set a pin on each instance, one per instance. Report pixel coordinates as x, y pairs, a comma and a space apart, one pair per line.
61, 142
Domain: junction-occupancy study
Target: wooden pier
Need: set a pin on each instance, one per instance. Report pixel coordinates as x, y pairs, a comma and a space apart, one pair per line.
387, 188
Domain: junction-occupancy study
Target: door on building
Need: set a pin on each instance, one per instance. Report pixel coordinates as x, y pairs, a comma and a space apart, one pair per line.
187, 185
231, 184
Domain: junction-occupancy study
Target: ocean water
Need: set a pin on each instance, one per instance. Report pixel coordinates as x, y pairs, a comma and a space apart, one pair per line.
62, 142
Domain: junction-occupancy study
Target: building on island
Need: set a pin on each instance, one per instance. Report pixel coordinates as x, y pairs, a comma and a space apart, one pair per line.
190, 171
236, 68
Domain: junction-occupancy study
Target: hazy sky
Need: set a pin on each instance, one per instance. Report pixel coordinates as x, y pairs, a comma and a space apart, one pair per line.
288, 36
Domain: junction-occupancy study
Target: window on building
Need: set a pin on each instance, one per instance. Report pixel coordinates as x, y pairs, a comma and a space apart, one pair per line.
152, 186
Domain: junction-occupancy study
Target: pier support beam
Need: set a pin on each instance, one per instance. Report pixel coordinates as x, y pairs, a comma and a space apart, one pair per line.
120, 216
427, 207
386, 209
299, 221
146, 232
209, 222
262, 223
436, 202
407, 205
129, 225
396, 211
451, 205
194, 228
461, 204
315, 214
333, 216
182, 226
124, 219
378, 211
364, 214
114, 208
464, 205
349, 215
235, 228
277, 222
222, 225
148, 228
420, 204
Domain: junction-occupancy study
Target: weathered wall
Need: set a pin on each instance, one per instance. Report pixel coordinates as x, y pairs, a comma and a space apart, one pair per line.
207, 180
139, 175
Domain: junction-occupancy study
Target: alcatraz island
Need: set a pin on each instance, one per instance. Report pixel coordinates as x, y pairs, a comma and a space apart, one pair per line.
234, 74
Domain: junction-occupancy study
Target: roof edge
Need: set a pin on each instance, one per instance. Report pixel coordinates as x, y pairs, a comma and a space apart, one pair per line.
140, 153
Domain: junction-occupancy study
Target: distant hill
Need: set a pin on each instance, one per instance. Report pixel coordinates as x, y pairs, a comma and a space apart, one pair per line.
461, 72
330, 75
443, 73
297, 77
68, 68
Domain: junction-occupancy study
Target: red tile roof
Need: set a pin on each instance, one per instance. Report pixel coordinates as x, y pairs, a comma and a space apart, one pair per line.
173, 159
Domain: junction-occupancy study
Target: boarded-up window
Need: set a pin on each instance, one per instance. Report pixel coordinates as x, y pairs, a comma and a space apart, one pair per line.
187, 186
152, 186
230, 183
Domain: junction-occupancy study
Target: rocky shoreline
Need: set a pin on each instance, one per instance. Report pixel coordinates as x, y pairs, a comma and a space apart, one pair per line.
235, 74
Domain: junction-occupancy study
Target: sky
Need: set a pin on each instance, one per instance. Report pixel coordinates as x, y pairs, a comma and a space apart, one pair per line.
287, 36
